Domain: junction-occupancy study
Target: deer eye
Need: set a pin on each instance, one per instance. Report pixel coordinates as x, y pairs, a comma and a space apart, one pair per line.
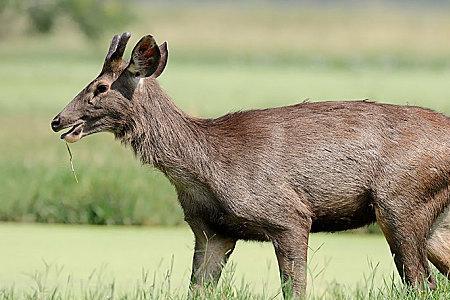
101, 88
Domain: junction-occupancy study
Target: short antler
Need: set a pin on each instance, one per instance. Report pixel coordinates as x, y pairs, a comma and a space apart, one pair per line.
116, 50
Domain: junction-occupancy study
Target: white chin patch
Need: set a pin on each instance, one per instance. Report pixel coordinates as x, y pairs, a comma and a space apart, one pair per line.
74, 134
72, 138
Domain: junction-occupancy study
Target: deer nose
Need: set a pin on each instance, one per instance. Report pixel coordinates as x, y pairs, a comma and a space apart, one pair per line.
56, 123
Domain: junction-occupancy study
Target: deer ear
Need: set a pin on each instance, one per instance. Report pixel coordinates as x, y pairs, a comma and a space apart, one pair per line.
162, 61
145, 57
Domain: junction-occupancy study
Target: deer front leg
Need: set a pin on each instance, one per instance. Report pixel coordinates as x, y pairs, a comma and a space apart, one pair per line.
291, 247
210, 256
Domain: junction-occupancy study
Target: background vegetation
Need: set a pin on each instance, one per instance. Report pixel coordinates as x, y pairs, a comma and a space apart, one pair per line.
223, 58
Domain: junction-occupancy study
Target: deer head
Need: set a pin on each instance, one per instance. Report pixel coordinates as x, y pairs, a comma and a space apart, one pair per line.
106, 103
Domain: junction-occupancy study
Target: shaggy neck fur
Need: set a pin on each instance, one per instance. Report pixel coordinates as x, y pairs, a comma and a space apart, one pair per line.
162, 135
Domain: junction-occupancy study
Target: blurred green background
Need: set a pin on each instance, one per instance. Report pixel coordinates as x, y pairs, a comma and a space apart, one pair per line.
224, 56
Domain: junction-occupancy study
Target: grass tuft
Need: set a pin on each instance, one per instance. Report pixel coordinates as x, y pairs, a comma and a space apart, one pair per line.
50, 283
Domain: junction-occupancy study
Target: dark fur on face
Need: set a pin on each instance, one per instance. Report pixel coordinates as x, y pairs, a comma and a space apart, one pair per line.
278, 174
108, 103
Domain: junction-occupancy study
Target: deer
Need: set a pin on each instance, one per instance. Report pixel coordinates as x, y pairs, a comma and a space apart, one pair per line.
278, 174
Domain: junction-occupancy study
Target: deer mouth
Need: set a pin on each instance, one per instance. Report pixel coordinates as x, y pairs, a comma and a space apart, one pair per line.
74, 134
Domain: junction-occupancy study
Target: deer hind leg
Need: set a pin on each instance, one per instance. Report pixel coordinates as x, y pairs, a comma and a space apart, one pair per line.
438, 243
291, 247
407, 242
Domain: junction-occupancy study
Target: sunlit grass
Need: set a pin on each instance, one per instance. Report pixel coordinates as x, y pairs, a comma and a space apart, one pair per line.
121, 253
148, 287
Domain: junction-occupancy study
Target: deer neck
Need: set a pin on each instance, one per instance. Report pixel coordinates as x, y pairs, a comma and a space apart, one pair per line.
164, 136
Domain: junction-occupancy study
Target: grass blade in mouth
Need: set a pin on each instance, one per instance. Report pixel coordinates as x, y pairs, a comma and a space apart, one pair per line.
71, 162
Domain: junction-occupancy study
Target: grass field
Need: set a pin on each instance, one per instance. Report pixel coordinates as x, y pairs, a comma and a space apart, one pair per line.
36, 181
121, 254
117, 262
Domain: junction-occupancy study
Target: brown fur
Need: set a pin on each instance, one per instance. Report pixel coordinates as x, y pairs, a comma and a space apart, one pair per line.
278, 174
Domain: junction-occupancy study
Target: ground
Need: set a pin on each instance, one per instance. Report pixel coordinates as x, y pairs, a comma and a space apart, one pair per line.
120, 254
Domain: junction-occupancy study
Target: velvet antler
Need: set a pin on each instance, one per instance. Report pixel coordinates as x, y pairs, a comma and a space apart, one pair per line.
116, 49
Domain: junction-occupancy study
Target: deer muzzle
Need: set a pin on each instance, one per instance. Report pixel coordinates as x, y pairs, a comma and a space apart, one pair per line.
74, 134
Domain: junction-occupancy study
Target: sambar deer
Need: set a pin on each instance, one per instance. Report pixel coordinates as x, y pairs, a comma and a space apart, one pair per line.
278, 174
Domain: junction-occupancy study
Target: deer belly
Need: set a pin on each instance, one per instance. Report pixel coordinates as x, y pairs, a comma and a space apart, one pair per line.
237, 228
343, 214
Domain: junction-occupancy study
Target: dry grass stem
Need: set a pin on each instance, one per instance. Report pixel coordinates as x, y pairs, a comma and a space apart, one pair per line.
71, 162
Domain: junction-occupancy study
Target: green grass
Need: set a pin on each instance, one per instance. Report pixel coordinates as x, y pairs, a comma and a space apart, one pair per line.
86, 262
122, 254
